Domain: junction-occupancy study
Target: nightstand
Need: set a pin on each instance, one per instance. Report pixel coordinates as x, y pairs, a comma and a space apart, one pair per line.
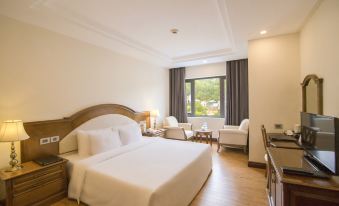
35, 184
155, 133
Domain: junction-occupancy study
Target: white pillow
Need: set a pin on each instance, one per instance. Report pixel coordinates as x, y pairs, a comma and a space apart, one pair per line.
171, 122
244, 125
129, 133
103, 140
83, 143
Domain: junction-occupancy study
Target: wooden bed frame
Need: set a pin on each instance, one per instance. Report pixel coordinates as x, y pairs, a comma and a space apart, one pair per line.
31, 148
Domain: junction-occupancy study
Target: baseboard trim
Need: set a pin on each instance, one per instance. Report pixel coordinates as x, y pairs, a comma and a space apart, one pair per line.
259, 165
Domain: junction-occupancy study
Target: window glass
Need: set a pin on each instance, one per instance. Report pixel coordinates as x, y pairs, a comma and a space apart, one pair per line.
188, 97
206, 96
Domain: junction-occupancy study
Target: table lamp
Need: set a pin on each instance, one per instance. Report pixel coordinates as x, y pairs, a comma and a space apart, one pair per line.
155, 114
12, 131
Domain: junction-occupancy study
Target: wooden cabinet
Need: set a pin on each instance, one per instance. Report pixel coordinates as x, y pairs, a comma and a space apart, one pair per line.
293, 190
35, 184
274, 189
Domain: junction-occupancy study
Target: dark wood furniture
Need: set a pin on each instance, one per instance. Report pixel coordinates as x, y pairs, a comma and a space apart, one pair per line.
31, 148
207, 134
318, 101
282, 144
35, 184
293, 190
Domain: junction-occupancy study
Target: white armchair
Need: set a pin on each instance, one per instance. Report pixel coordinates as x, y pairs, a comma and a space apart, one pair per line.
175, 130
234, 136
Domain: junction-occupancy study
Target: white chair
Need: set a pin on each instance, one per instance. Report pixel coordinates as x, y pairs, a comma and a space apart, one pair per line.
175, 130
234, 136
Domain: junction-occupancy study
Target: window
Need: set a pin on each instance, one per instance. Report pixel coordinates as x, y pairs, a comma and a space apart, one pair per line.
206, 97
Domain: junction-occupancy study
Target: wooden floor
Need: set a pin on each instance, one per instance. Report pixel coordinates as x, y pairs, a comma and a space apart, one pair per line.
231, 183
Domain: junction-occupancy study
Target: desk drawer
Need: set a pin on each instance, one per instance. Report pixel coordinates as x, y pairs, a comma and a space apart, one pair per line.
40, 193
37, 175
37, 182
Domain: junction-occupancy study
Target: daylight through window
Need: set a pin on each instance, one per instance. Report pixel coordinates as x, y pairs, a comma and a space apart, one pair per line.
206, 97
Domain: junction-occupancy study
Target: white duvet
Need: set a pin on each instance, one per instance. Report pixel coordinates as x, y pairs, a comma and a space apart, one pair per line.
151, 172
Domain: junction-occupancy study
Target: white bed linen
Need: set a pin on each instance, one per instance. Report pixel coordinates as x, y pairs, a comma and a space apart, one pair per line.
72, 157
150, 172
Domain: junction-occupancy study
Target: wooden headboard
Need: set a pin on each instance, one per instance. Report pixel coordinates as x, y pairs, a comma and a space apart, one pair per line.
31, 148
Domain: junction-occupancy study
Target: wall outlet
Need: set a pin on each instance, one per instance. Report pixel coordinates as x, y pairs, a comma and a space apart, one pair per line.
45, 140
55, 139
278, 126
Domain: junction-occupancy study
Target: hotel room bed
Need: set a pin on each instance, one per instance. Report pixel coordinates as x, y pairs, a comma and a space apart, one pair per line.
153, 171
117, 166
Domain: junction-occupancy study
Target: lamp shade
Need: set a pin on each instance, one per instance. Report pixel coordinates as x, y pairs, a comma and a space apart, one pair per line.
155, 113
12, 130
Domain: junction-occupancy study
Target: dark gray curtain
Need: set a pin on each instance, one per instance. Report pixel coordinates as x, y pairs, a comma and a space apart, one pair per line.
236, 91
177, 94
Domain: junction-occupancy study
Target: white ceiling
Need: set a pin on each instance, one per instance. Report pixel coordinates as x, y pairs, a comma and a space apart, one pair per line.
209, 30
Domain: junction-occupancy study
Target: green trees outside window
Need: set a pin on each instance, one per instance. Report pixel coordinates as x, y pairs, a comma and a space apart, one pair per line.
206, 96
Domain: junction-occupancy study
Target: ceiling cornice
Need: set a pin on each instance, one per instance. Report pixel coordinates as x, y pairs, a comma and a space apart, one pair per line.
90, 25
202, 56
224, 15
97, 28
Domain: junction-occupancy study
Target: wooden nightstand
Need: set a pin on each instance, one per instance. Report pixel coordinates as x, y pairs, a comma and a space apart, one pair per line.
35, 184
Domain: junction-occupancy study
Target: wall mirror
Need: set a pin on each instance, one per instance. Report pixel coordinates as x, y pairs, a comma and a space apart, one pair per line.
312, 94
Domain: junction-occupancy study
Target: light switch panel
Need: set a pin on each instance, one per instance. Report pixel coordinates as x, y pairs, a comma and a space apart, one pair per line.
278, 126
45, 140
55, 139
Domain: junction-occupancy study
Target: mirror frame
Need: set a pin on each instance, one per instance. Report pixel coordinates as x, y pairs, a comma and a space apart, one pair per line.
319, 82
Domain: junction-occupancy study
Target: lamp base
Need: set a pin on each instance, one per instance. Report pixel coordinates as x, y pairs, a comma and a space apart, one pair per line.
13, 169
14, 163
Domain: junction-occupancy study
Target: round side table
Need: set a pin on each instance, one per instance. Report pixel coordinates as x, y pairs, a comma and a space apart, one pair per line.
204, 133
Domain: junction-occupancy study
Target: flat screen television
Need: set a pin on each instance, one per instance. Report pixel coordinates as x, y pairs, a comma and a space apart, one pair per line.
320, 139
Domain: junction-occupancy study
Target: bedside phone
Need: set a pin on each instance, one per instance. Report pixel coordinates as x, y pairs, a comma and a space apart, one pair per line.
289, 132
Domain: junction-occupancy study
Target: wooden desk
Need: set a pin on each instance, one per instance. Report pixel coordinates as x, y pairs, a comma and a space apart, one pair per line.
204, 133
282, 144
293, 190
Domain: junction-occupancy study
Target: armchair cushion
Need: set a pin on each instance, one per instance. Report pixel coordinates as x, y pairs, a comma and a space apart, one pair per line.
186, 126
232, 131
233, 138
175, 130
244, 125
171, 122
189, 133
234, 135
230, 127
178, 133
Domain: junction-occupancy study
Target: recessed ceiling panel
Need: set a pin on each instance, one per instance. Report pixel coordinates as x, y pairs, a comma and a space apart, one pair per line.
212, 30
148, 22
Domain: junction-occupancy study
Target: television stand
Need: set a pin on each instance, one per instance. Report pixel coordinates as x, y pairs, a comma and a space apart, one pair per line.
303, 172
316, 165
298, 190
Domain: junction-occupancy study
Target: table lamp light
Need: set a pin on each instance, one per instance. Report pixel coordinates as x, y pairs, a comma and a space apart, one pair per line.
155, 114
12, 131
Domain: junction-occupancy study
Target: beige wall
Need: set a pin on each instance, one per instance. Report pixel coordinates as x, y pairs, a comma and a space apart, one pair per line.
206, 70
274, 87
319, 46
45, 75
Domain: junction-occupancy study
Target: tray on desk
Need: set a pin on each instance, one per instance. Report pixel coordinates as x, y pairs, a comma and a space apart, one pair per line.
282, 137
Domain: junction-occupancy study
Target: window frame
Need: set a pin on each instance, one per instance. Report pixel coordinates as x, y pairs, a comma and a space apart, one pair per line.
222, 96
